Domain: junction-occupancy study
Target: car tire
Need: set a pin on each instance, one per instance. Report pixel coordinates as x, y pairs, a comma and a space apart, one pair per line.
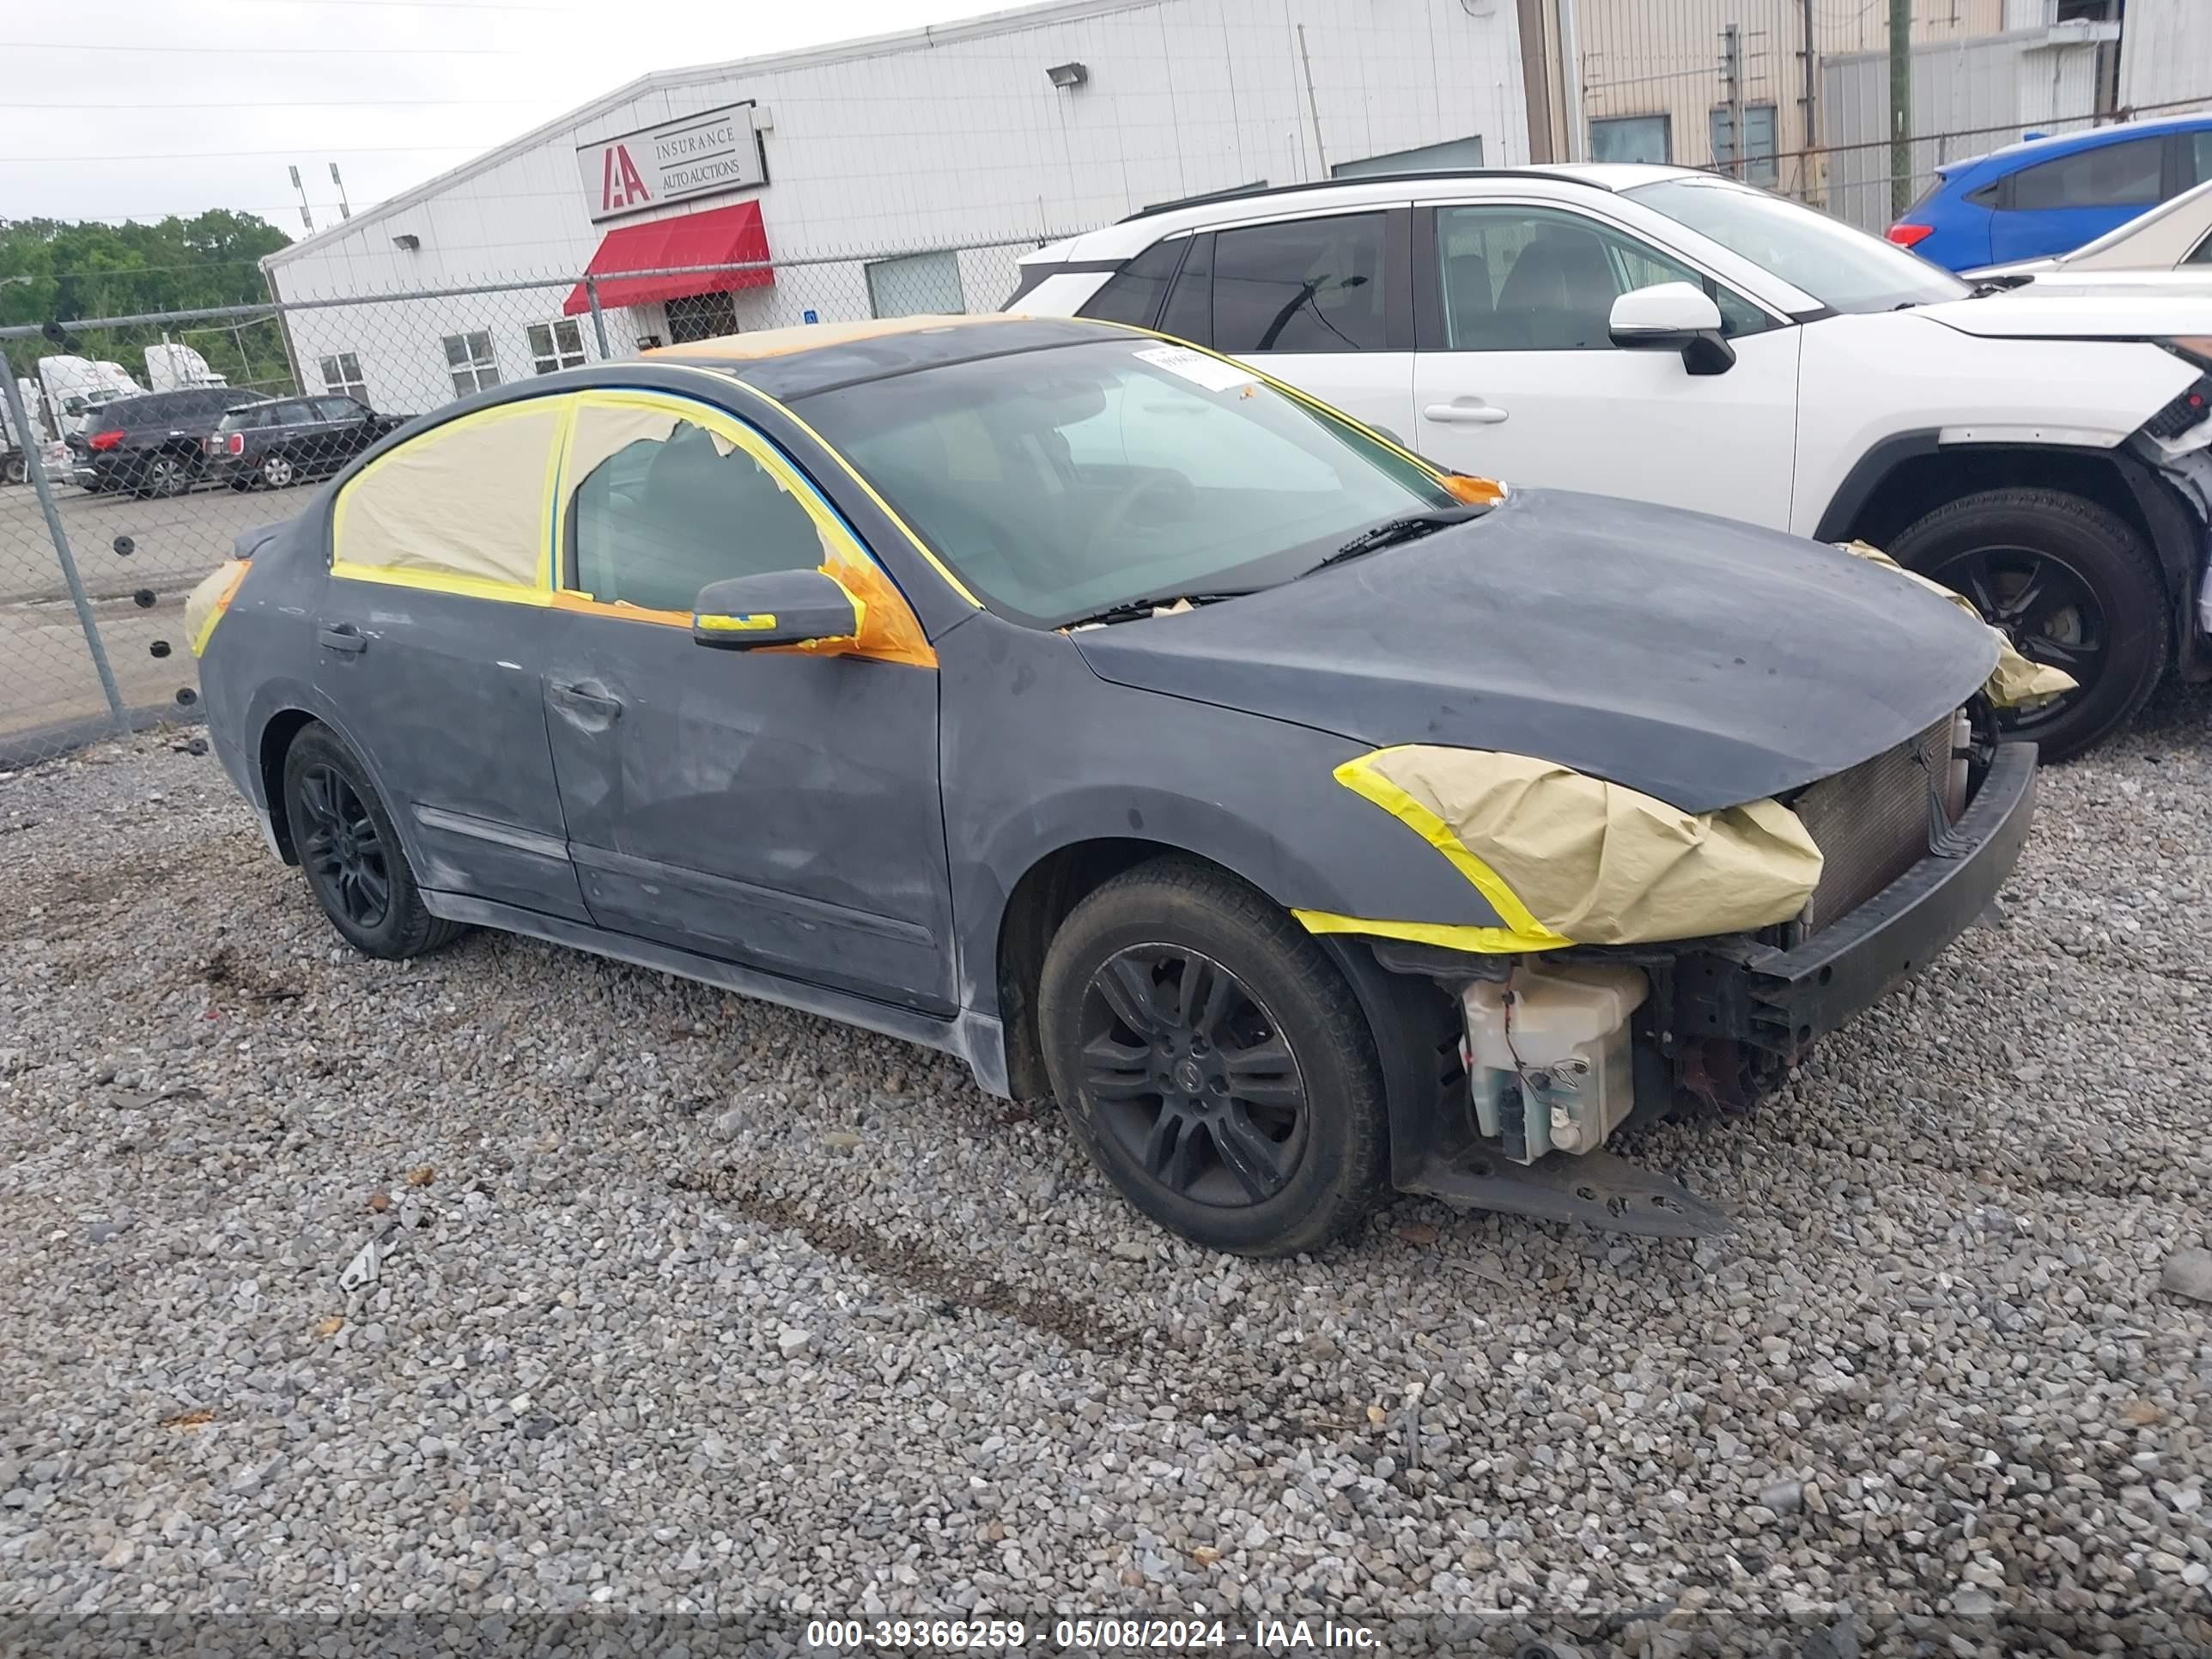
163, 475
350, 853
15, 469
2072, 584
1254, 1123
277, 472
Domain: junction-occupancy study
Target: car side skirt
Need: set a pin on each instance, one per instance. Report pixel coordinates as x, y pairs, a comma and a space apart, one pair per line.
976, 1038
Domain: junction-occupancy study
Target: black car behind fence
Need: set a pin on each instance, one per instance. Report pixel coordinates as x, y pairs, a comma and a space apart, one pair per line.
280, 442
155, 445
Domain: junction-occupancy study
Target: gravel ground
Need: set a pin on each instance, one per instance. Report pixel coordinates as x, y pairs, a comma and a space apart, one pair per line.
690, 1304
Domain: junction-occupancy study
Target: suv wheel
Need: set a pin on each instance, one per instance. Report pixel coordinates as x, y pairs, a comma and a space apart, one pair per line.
13, 468
277, 472
354, 865
1214, 1063
163, 474
2071, 585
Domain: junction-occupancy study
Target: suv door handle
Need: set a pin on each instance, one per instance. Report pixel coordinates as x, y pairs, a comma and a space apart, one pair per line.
1464, 411
341, 637
588, 699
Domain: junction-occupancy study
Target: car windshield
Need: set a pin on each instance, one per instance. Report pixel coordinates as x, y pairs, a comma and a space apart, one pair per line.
1064, 482
1844, 268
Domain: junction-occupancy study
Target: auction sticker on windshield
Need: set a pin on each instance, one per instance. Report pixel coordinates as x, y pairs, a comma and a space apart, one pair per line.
1197, 367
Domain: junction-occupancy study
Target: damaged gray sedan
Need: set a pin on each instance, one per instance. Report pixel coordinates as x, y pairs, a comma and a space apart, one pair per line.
1310, 821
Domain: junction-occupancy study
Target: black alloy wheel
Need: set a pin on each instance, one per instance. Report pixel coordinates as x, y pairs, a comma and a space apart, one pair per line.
1213, 1060
354, 862
342, 849
1193, 1077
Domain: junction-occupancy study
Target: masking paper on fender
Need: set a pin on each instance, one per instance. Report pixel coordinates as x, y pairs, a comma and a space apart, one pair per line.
2015, 682
1597, 863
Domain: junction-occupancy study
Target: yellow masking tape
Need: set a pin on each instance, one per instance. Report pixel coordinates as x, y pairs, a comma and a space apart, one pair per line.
1452, 936
759, 620
1530, 934
943, 570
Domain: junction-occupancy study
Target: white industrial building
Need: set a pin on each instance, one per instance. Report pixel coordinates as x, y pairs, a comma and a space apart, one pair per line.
896, 175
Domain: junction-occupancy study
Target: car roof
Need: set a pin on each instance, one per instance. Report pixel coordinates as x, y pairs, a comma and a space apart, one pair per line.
794, 363
1140, 229
2048, 145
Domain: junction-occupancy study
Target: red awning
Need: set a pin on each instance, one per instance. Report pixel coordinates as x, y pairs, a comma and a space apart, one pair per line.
720, 236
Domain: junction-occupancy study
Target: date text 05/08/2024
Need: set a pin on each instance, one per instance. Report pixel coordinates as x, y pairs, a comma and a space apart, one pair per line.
1106, 1635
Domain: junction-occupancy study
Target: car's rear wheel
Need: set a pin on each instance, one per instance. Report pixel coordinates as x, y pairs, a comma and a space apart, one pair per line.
277, 472
13, 468
163, 474
354, 865
2071, 585
1216, 1065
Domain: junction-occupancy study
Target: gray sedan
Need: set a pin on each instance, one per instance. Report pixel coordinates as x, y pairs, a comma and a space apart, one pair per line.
1309, 820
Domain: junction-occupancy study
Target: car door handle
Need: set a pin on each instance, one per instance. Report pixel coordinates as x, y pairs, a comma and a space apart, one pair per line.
1464, 411
341, 637
588, 699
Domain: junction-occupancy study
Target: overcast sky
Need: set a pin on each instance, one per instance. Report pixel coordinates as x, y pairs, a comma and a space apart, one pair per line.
159, 106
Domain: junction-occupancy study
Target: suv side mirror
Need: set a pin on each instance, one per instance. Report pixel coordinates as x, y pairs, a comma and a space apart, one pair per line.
1672, 317
776, 607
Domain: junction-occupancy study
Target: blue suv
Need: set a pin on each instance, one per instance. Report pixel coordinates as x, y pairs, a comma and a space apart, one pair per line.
2051, 195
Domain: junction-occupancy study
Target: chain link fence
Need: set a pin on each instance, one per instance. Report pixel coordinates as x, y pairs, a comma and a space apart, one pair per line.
133, 485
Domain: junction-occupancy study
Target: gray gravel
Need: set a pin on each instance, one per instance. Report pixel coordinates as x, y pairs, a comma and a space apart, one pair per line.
678, 1302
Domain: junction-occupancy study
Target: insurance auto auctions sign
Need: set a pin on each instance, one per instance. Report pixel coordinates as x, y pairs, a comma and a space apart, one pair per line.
679, 160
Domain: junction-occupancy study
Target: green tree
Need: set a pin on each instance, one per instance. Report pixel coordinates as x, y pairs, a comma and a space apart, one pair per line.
53, 270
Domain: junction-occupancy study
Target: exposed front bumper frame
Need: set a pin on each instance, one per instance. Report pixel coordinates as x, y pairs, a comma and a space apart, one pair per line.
1782, 1001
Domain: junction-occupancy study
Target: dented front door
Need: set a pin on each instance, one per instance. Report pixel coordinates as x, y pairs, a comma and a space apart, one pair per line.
777, 808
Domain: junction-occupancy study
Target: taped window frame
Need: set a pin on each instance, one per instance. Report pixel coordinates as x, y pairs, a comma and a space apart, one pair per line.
537, 591
877, 590
922, 549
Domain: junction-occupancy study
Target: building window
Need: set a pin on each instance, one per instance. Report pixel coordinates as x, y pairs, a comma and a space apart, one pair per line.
1758, 163
1632, 139
342, 374
555, 345
1428, 158
469, 357
917, 285
700, 317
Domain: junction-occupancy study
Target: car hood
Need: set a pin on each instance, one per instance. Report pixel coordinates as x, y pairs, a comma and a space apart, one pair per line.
1700, 660
2083, 310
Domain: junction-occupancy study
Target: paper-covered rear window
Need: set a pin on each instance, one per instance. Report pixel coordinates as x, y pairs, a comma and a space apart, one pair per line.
468, 499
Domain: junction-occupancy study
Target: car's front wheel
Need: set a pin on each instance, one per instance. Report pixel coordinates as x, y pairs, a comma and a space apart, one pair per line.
1216, 1065
2072, 586
354, 865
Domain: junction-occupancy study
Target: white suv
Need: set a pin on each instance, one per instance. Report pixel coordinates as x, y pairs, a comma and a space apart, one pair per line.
1675, 336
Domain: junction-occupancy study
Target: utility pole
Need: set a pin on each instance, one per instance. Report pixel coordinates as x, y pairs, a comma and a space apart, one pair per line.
1571, 72
1732, 79
1900, 106
1811, 142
